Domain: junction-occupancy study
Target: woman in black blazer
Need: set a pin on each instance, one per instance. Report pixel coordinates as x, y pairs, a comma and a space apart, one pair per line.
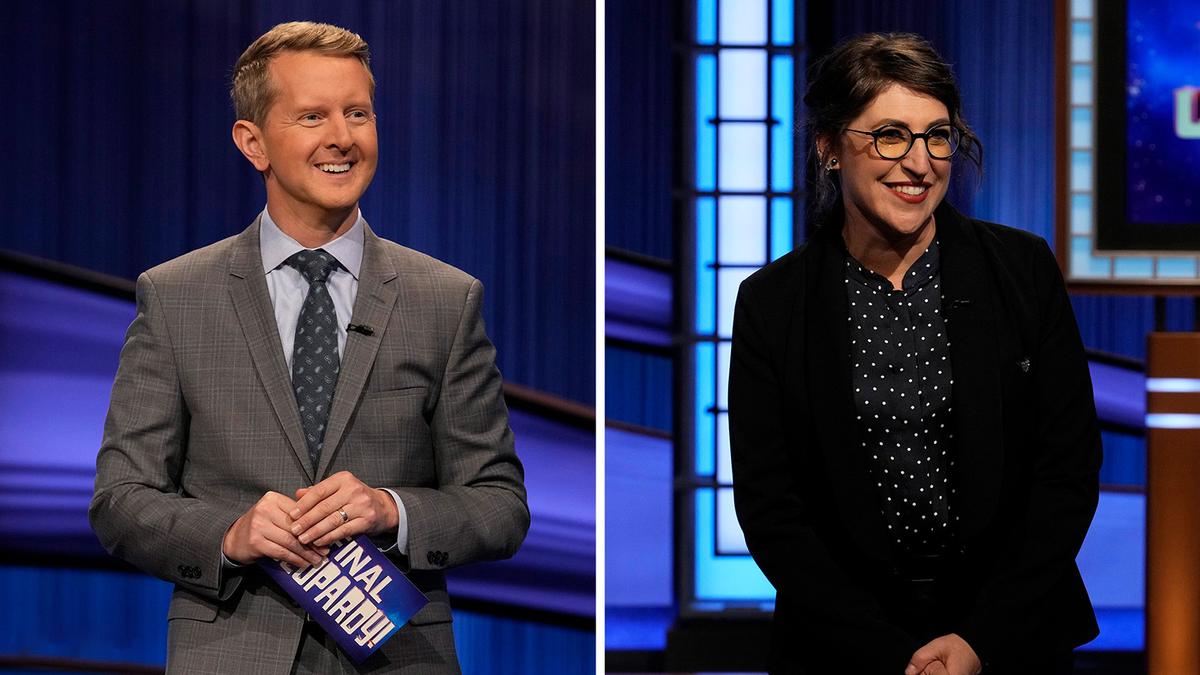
914, 440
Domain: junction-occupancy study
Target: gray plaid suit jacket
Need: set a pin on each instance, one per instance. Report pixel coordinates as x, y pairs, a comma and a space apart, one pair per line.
203, 422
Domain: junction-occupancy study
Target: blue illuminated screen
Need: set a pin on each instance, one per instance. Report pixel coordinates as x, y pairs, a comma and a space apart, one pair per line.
1163, 112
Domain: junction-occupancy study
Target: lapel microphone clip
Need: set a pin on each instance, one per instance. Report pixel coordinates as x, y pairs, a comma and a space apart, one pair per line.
360, 328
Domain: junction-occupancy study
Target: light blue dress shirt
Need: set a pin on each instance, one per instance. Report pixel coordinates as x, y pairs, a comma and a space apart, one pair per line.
288, 289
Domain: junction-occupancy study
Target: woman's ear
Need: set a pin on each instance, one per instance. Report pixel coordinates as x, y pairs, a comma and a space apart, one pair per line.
827, 155
825, 151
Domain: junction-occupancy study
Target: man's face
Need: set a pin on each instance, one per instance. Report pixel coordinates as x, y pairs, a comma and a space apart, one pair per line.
318, 140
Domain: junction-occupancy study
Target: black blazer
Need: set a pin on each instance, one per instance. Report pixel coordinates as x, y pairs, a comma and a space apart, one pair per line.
1027, 444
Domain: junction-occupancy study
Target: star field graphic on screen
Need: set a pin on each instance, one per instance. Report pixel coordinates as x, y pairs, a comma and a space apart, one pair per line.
1148, 126
1163, 112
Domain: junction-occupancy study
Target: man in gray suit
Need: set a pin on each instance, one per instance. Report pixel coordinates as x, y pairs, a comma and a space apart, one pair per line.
301, 382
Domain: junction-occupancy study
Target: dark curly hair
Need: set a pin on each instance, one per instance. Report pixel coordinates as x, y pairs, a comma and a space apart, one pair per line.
845, 81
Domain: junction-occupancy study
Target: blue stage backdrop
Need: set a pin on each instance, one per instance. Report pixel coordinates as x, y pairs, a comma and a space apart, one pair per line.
640, 116
121, 119
1004, 57
120, 151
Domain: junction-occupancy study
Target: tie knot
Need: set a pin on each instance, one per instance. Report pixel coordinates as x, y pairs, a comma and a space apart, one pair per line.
314, 266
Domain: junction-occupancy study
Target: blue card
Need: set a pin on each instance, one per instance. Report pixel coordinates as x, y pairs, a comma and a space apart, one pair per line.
357, 595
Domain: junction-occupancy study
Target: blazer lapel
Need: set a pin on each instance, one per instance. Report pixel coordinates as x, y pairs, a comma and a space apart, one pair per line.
252, 303
372, 307
824, 348
970, 307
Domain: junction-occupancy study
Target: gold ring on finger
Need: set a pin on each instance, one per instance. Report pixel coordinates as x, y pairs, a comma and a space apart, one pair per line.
342, 513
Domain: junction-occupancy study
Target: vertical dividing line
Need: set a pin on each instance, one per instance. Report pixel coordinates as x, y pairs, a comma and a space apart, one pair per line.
716, 297
769, 126
599, 340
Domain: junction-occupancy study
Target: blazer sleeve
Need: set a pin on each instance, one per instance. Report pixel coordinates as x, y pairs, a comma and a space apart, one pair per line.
1064, 487
478, 510
138, 510
834, 608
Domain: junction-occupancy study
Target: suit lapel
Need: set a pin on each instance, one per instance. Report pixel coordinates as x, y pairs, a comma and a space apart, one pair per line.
372, 307
970, 307
252, 303
824, 348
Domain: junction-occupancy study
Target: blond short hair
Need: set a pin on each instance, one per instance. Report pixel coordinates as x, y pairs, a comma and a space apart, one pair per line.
251, 88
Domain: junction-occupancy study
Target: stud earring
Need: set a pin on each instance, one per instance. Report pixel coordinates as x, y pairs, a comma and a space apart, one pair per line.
833, 164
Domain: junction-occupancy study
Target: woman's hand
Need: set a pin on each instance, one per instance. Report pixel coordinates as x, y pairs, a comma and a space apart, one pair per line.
947, 654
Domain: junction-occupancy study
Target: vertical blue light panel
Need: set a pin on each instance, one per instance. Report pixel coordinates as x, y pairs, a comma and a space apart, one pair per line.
750, 153
730, 538
724, 467
706, 132
782, 131
723, 353
706, 362
743, 77
1081, 170
743, 22
1081, 41
743, 232
1081, 128
1081, 214
723, 577
1081, 85
1083, 263
706, 255
783, 22
743, 151
706, 21
781, 226
728, 281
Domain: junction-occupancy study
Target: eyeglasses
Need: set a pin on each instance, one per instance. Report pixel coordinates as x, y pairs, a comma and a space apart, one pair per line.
895, 142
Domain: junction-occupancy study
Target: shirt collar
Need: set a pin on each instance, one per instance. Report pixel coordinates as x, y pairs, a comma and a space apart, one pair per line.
923, 270
276, 247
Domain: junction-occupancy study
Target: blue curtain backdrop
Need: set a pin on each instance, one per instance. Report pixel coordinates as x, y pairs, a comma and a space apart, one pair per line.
641, 117
638, 388
119, 151
641, 168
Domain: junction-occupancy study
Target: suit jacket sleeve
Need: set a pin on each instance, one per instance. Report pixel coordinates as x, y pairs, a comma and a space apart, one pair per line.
1065, 482
478, 510
772, 510
138, 510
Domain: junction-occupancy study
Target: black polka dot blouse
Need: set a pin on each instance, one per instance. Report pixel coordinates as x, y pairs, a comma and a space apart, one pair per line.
900, 360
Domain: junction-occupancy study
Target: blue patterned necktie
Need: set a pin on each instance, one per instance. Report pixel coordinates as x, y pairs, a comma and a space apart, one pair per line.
315, 362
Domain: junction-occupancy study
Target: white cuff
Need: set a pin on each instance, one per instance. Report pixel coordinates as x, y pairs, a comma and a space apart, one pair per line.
401, 545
